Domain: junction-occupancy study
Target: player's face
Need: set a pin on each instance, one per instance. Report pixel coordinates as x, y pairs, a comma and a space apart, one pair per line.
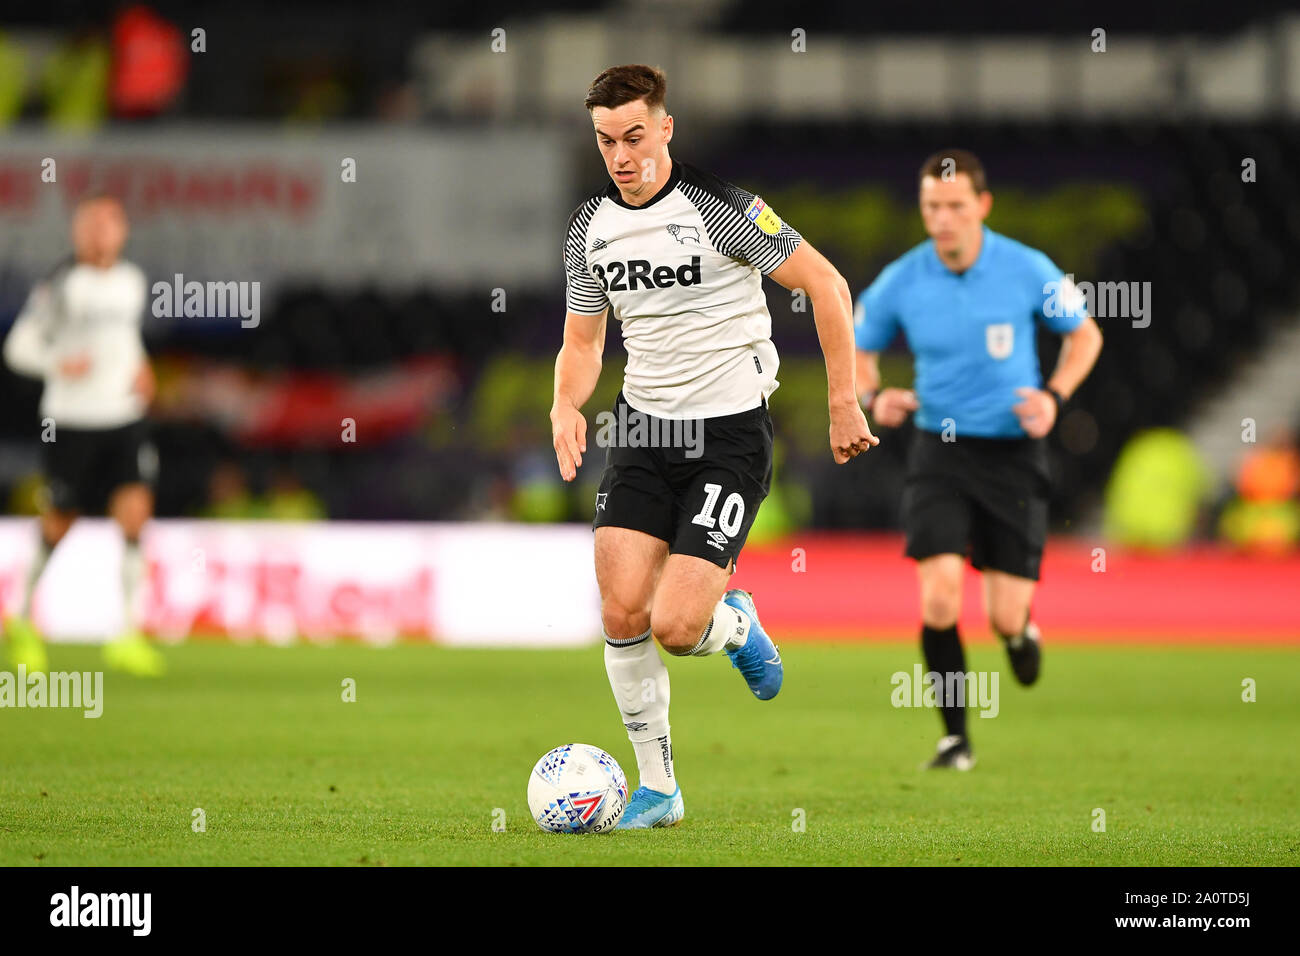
99, 231
634, 143
953, 212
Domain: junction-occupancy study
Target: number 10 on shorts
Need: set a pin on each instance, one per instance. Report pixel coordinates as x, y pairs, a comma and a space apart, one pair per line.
732, 514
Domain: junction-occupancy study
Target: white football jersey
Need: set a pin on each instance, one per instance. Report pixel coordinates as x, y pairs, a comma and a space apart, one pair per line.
84, 310
683, 274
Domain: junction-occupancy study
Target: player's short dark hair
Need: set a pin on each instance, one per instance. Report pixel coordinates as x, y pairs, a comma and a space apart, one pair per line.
625, 84
954, 161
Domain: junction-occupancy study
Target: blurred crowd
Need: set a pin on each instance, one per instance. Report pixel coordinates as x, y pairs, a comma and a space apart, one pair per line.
133, 67
1163, 495
449, 396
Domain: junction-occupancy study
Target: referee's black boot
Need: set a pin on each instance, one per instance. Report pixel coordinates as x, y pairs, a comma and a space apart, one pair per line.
953, 753
1025, 653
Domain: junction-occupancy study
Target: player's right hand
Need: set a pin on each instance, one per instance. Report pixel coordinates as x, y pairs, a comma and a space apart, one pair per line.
850, 433
75, 366
893, 405
569, 436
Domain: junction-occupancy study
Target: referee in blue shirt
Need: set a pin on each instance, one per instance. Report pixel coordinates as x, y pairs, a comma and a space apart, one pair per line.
967, 301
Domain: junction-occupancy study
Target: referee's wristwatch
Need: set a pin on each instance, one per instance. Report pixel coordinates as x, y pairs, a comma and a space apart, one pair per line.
1060, 399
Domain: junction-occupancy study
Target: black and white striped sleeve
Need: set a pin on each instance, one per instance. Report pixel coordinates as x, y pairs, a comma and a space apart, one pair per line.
582, 294
740, 224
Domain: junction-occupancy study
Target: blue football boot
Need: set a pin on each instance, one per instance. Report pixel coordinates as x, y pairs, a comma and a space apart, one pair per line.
650, 808
759, 661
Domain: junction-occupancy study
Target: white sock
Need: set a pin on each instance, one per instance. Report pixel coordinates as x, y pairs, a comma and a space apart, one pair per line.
727, 628
39, 560
639, 680
132, 576
654, 763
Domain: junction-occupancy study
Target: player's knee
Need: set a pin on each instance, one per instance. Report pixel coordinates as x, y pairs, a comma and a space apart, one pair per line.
677, 633
622, 621
131, 523
941, 606
54, 525
131, 507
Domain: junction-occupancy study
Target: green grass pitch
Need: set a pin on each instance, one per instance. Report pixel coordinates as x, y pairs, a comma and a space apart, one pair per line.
439, 743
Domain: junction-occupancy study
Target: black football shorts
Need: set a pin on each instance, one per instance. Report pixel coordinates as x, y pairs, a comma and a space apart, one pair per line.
981, 497
83, 466
695, 484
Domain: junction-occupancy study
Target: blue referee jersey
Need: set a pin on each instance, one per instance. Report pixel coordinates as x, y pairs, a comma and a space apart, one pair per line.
972, 334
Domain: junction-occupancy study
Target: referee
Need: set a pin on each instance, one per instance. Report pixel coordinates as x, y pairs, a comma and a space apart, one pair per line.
967, 301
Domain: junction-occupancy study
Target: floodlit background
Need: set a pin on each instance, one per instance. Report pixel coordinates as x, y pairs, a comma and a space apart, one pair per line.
368, 452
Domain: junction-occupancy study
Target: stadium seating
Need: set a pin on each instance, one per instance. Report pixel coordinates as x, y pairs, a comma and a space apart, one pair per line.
1213, 247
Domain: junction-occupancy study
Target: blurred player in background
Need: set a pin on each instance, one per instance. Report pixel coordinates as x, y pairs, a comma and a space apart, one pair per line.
968, 301
80, 332
679, 257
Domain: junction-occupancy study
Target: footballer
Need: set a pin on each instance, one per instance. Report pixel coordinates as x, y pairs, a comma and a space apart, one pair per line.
79, 332
678, 256
968, 302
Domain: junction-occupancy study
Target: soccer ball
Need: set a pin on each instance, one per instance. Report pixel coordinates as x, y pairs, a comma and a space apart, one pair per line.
577, 788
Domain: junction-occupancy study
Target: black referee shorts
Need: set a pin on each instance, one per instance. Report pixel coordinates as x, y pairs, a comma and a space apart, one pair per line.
697, 485
84, 466
981, 497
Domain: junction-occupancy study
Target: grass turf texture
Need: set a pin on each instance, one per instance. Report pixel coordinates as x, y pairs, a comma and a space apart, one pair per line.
411, 773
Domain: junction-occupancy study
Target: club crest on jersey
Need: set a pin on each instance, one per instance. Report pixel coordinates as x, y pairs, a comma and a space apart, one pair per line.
761, 215
682, 233
999, 339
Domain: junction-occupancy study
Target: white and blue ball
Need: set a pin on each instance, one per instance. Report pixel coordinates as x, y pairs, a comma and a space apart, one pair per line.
577, 788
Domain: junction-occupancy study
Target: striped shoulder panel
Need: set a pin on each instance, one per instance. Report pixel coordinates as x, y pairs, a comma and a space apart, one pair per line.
726, 210
54, 281
59, 271
582, 293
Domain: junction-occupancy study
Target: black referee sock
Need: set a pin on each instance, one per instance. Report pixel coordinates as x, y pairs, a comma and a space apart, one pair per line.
944, 655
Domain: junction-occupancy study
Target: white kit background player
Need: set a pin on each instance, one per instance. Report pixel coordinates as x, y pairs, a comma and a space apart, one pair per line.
80, 332
677, 255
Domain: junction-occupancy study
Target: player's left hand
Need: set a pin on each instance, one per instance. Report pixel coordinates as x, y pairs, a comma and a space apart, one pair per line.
145, 385
1036, 411
850, 434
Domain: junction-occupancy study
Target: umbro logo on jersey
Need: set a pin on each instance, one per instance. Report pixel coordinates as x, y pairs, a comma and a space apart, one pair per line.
718, 540
682, 233
626, 276
598, 244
